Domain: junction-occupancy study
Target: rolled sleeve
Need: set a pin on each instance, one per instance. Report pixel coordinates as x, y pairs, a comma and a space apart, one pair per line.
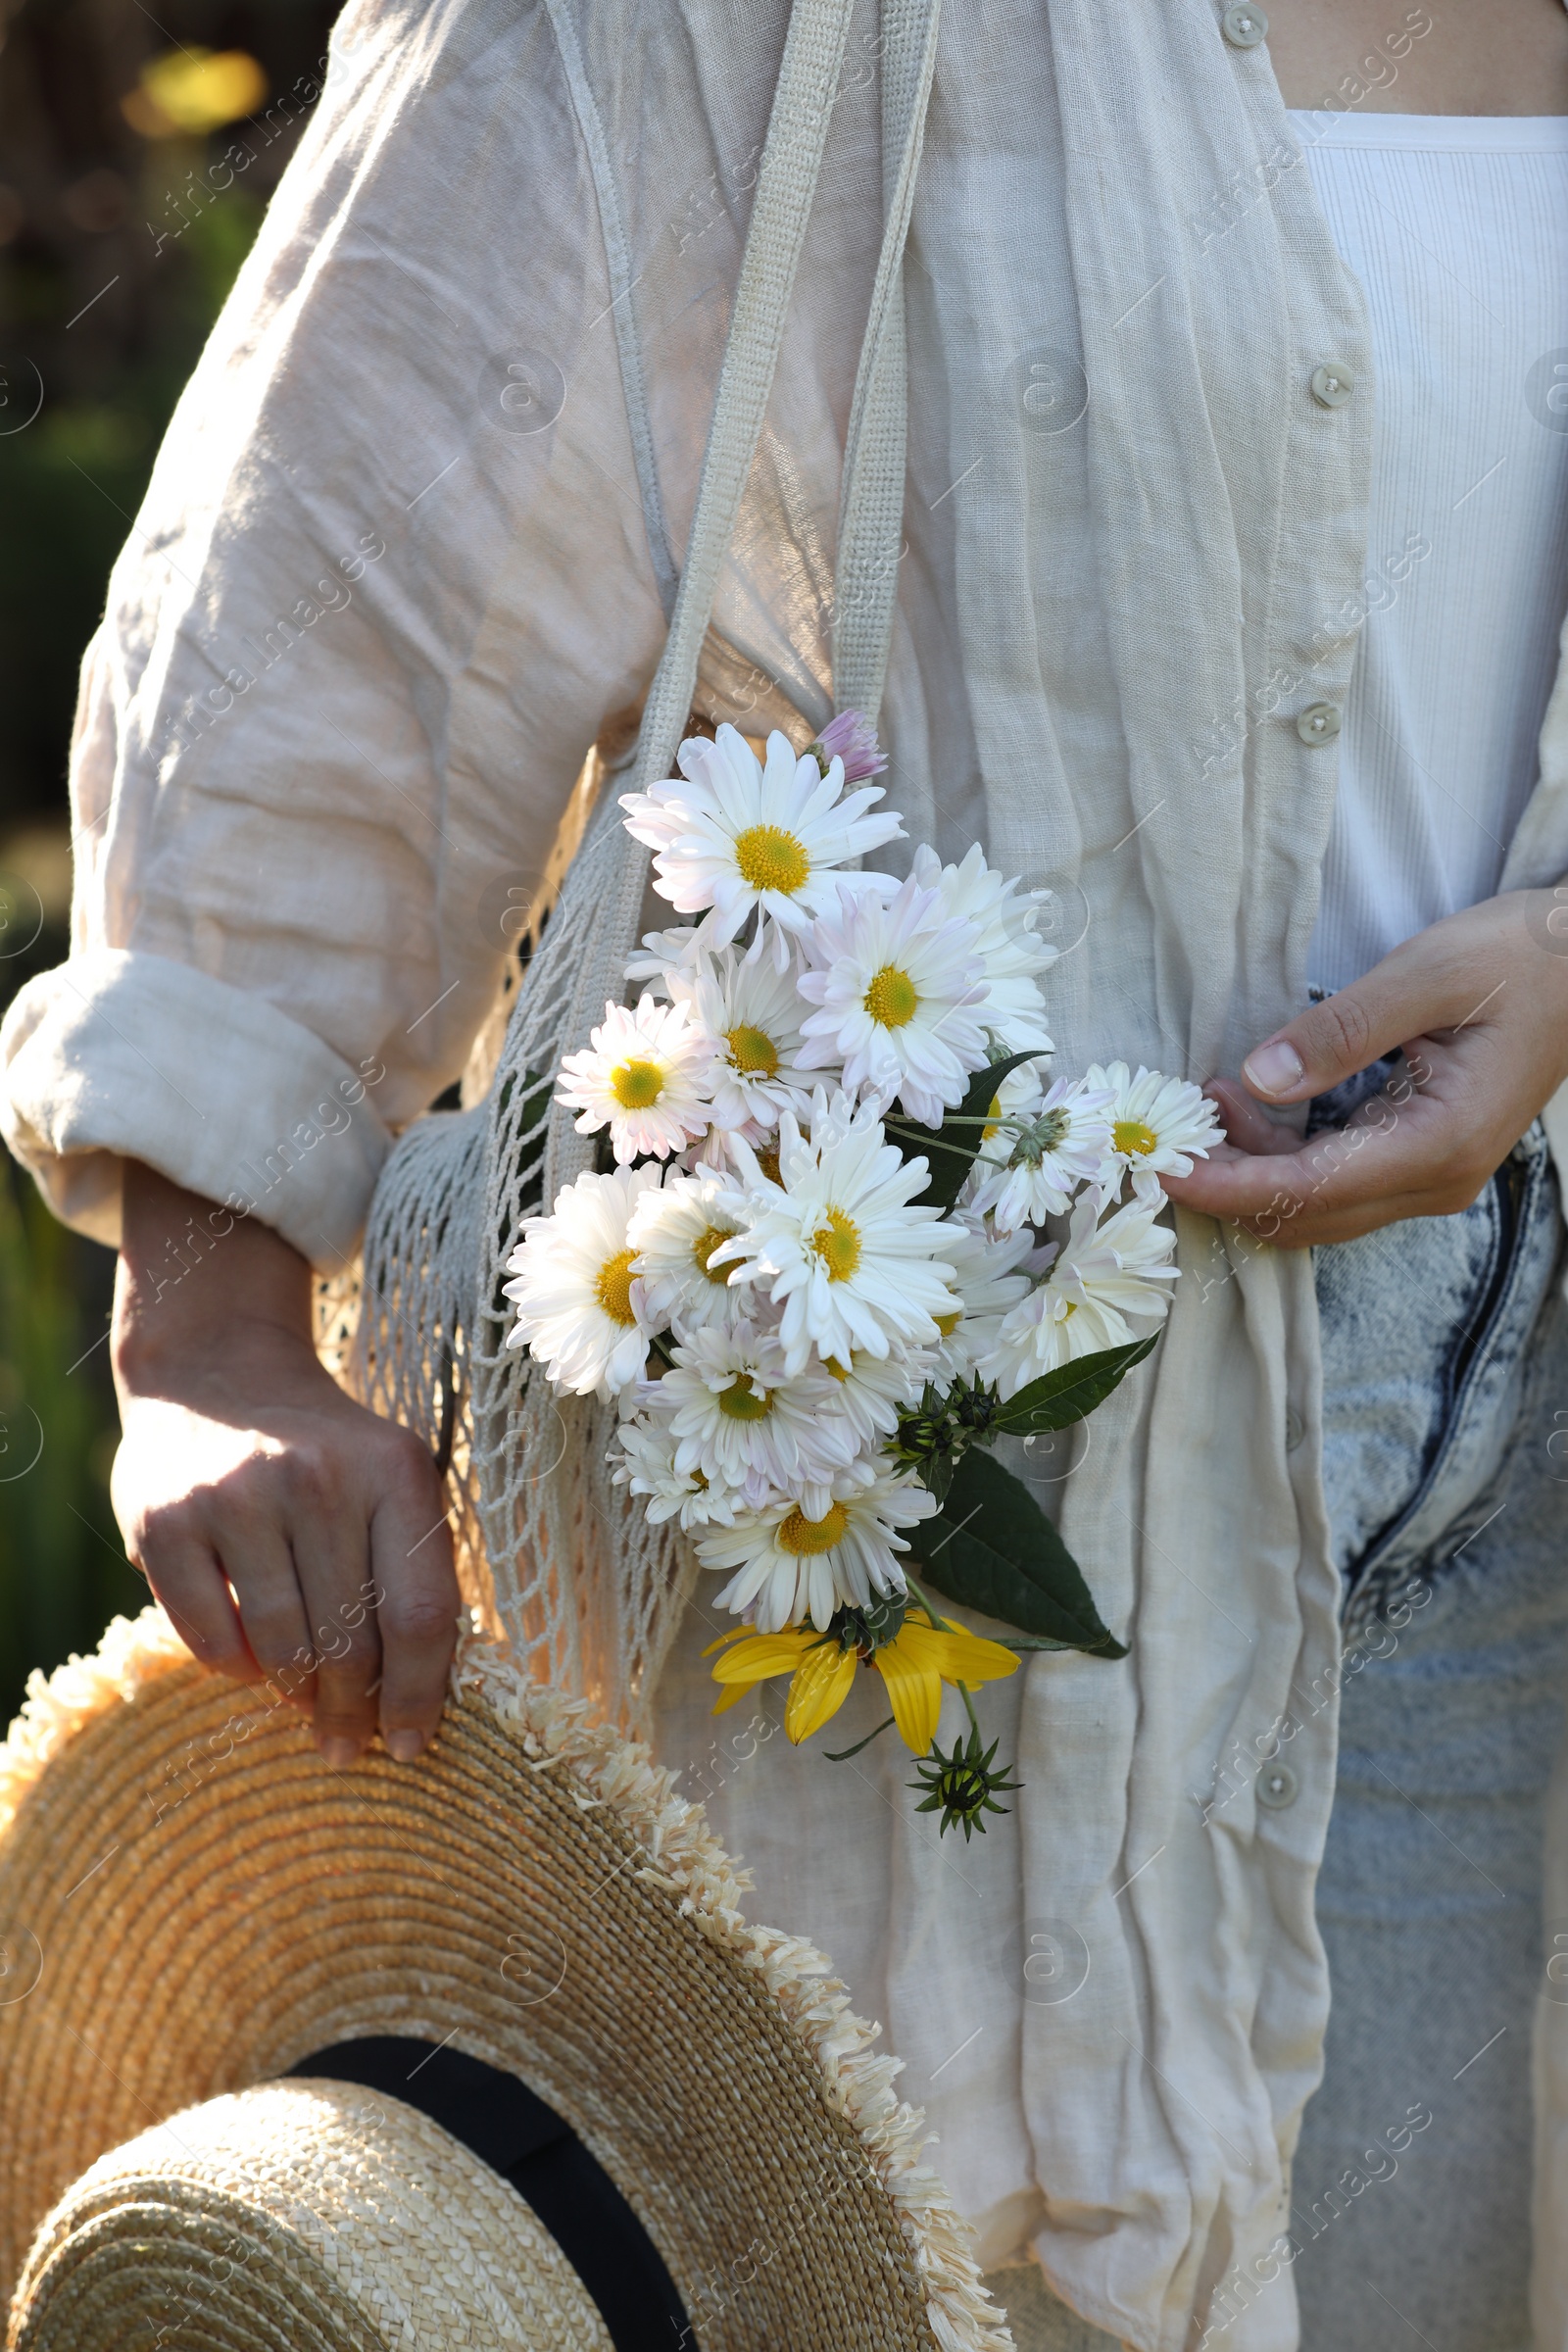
115, 1055
355, 651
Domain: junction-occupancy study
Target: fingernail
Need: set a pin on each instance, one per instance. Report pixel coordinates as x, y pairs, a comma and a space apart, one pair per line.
340, 1753
404, 1746
1274, 1069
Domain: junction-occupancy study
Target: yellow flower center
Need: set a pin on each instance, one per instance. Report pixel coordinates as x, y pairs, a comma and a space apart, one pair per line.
769, 859
712, 1238
892, 999
838, 1370
637, 1084
805, 1538
613, 1289
1131, 1135
752, 1052
993, 1119
948, 1324
838, 1245
768, 1161
741, 1402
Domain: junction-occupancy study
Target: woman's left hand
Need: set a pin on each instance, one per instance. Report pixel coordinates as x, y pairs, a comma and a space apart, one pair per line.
1479, 1003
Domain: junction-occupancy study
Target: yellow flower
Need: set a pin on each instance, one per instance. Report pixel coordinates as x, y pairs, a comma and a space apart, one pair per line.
914, 1665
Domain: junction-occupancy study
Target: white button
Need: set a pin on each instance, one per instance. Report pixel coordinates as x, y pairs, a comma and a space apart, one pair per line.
1295, 1429
1319, 722
1333, 383
1276, 1786
1245, 26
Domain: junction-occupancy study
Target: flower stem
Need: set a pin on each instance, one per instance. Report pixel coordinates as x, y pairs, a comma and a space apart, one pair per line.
941, 1624
927, 1141
845, 1753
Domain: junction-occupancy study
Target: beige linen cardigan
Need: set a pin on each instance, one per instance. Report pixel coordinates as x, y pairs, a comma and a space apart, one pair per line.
409, 548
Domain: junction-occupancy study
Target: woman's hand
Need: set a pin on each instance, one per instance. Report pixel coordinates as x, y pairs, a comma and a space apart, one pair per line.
289, 1534
1479, 1003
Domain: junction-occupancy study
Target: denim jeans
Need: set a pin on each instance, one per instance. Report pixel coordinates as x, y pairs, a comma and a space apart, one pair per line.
1445, 1386
1446, 1467
1425, 1329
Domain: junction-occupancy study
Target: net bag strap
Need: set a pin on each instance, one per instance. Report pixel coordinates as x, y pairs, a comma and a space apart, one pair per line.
871, 499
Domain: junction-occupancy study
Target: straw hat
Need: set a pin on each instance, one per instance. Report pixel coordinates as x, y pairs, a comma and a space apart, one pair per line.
300, 2214
193, 1904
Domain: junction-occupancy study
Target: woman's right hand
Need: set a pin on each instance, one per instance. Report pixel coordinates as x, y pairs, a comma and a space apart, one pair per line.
290, 1535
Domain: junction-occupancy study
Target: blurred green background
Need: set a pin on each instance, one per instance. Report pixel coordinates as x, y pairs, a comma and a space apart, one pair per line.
115, 255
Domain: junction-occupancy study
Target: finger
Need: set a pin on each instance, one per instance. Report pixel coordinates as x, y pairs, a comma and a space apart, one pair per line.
255, 1555
1395, 1160
332, 1552
1438, 981
1248, 1125
188, 1582
417, 1605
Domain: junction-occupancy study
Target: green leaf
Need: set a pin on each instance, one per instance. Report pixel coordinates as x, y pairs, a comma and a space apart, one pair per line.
1071, 1392
937, 1474
952, 1146
993, 1549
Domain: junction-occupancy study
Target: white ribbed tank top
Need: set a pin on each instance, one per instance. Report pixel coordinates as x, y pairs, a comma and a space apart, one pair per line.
1457, 228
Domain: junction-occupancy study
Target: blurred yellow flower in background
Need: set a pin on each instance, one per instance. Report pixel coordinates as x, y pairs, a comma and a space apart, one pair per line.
191, 91
914, 1665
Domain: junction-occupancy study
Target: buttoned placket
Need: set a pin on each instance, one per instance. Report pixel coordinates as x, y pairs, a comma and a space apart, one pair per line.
1300, 658
1299, 662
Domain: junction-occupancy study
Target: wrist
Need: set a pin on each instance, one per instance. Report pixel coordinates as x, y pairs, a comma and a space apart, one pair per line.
197, 1285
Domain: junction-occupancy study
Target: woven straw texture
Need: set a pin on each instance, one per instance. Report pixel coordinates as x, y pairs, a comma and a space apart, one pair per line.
561, 1561
317, 2215
191, 1902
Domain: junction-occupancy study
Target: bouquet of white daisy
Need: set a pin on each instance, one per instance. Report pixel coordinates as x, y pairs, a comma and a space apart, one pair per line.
816, 1267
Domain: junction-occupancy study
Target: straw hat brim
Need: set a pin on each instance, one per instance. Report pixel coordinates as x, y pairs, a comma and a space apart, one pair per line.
191, 1902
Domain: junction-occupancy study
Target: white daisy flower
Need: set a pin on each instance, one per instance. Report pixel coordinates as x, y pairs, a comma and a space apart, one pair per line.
839, 1243
661, 953
645, 1464
1105, 1280
898, 983
743, 1422
1011, 954
755, 1164
645, 1076
875, 1391
673, 1233
731, 835
711, 1150
793, 1566
1034, 1163
579, 1304
1020, 1095
987, 1276
753, 1011
1158, 1125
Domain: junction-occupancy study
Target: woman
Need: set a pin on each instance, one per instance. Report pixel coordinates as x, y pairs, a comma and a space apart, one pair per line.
1199, 527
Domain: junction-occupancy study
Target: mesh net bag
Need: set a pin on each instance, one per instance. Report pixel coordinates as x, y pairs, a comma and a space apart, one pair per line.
556, 1560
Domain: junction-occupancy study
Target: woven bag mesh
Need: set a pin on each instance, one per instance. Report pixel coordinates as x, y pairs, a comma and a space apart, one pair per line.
558, 1559
550, 1551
